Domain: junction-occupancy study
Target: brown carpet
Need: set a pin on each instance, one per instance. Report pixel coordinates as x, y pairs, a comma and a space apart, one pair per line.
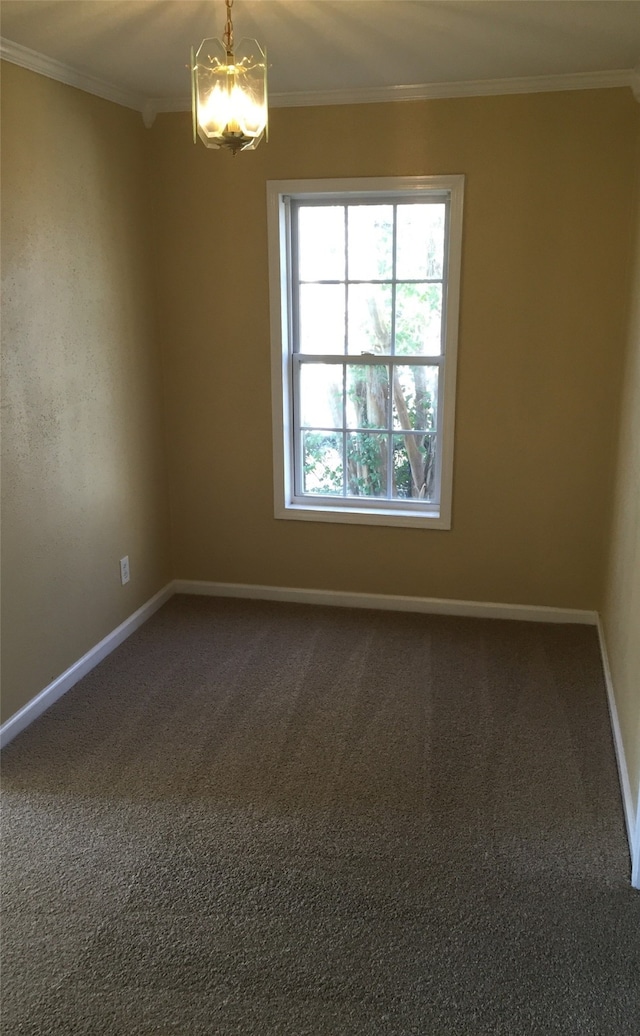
259, 818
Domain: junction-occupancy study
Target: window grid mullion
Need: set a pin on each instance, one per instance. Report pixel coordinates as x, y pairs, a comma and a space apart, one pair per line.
392, 370
298, 434
346, 349
374, 431
376, 280
344, 430
294, 330
443, 338
369, 359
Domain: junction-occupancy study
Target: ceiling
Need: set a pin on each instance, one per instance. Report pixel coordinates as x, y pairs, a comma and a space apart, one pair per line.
330, 51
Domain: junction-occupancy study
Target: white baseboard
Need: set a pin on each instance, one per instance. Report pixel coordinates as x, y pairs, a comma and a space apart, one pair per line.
388, 602
632, 820
635, 850
34, 708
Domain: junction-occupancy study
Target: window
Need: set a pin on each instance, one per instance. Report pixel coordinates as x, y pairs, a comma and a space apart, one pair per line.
364, 300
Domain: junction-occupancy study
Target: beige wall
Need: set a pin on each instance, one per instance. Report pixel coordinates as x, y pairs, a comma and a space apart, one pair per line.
83, 473
545, 250
621, 609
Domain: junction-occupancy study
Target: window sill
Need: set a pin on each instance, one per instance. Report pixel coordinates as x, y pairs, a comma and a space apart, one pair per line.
364, 516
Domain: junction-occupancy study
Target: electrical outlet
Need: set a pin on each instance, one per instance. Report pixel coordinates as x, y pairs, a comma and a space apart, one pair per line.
124, 570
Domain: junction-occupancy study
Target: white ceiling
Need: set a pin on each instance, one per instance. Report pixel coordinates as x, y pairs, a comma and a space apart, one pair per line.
137, 51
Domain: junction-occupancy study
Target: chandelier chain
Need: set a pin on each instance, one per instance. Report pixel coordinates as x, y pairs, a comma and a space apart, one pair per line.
228, 29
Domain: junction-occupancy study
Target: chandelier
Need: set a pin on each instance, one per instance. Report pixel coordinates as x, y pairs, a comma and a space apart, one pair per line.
229, 91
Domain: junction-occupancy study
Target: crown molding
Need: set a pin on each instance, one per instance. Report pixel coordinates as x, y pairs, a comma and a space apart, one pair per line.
465, 88
149, 107
433, 91
45, 66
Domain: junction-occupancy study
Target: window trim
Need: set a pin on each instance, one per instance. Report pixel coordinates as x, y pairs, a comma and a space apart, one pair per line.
286, 504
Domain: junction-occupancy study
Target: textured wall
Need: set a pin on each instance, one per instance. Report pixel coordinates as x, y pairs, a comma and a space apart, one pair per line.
548, 202
547, 207
83, 467
621, 611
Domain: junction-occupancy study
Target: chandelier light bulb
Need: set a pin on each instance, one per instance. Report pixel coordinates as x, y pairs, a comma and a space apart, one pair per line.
229, 91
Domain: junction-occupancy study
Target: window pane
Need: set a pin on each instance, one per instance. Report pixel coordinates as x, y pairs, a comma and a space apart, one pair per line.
414, 466
322, 463
321, 395
321, 318
367, 396
321, 248
418, 319
420, 248
367, 459
370, 229
415, 398
369, 318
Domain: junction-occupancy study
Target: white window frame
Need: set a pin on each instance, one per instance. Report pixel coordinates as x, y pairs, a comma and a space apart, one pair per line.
358, 510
